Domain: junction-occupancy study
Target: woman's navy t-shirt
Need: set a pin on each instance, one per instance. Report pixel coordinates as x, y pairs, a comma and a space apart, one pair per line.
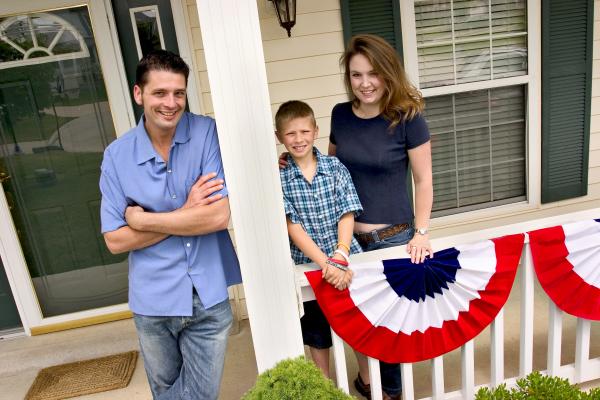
377, 159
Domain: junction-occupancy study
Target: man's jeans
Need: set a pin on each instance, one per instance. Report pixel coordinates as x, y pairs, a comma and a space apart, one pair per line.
184, 356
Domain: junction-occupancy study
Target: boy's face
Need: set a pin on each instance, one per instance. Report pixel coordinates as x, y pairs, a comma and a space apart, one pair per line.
163, 99
298, 136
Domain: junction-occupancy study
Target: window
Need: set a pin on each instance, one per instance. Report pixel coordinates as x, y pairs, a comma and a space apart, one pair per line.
471, 66
41, 37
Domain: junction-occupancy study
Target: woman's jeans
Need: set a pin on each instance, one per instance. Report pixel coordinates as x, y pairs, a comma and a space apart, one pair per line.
391, 381
184, 356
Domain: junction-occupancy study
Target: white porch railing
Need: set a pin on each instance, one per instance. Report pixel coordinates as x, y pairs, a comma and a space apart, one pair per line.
582, 370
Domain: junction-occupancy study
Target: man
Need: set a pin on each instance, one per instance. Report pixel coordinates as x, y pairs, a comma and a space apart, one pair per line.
173, 224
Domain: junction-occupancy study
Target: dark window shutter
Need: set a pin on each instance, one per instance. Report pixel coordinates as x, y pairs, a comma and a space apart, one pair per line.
379, 17
567, 36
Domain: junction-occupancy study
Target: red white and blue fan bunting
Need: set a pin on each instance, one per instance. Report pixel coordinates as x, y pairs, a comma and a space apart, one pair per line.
397, 311
567, 263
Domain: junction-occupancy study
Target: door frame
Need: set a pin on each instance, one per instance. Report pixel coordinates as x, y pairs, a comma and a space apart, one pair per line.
184, 41
109, 54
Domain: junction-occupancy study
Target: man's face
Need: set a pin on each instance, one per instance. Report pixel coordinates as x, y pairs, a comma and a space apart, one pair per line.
163, 99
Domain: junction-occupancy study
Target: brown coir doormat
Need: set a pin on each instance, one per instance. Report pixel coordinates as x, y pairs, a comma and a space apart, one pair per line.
83, 377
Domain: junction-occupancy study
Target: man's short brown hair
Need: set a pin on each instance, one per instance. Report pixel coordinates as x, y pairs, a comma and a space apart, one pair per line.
160, 60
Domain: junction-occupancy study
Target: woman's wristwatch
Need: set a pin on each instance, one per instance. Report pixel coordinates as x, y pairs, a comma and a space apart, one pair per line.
422, 231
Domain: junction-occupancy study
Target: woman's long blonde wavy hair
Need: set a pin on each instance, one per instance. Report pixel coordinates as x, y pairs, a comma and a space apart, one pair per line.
400, 99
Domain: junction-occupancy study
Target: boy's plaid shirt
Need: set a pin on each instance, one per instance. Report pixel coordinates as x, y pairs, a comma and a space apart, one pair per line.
318, 206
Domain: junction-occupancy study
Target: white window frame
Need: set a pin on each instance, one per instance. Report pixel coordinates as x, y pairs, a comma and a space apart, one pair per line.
532, 112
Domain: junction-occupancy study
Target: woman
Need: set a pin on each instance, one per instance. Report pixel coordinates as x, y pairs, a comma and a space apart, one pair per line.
376, 135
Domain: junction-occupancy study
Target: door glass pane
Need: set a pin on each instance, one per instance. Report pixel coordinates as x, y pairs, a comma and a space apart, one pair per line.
55, 122
147, 29
9, 316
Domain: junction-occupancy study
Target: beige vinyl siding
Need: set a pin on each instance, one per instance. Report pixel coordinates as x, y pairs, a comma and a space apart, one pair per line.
305, 67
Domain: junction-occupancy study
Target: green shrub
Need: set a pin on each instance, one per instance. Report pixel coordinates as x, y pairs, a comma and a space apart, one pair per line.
296, 379
538, 387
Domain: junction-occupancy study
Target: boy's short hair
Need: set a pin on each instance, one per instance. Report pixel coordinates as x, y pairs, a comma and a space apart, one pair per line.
160, 60
290, 110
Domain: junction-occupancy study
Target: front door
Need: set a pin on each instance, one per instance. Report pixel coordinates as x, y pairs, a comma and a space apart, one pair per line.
143, 25
55, 122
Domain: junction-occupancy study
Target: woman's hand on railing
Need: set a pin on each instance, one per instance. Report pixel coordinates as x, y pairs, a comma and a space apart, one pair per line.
419, 247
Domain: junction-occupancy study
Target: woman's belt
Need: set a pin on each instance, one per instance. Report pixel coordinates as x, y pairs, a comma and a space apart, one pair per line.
378, 235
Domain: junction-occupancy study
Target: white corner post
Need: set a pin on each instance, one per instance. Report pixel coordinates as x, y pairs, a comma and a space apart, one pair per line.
238, 82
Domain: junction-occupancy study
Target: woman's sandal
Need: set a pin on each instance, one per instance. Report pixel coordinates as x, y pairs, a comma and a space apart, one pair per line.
365, 390
362, 388
388, 397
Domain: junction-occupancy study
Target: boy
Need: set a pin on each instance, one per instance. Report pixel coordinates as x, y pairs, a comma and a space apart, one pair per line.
320, 204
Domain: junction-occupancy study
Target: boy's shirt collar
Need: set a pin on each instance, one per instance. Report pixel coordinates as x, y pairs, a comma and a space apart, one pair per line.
293, 171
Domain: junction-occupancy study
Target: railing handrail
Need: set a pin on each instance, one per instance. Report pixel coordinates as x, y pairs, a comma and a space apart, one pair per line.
462, 238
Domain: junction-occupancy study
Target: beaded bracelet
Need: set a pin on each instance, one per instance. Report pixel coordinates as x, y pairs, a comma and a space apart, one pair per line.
336, 264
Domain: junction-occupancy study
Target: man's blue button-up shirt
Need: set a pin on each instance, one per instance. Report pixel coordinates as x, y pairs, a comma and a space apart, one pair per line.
161, 276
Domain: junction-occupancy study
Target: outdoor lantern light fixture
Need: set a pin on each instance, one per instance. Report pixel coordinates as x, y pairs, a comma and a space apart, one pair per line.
286, 13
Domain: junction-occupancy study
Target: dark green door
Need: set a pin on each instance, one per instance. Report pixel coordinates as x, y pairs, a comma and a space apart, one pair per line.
143, 25
55, 122
9, 316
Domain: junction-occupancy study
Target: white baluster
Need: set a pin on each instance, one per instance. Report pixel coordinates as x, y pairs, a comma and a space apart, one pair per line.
339, 360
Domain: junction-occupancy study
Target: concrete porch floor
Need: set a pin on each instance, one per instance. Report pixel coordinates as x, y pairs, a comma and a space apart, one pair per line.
21, 358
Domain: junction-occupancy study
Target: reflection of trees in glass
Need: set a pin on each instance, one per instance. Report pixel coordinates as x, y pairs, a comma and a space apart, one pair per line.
68, 44
73, 191
9, 53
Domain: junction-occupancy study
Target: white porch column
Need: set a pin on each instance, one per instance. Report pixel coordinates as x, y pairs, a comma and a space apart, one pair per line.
238, 82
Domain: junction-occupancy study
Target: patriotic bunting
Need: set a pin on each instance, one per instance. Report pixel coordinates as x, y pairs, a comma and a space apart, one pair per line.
567, 263
396, 311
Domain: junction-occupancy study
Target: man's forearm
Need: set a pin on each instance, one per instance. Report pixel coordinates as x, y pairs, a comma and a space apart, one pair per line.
192, 221
127, 239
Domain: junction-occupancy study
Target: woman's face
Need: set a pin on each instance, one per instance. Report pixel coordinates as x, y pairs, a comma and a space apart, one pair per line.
367, 85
